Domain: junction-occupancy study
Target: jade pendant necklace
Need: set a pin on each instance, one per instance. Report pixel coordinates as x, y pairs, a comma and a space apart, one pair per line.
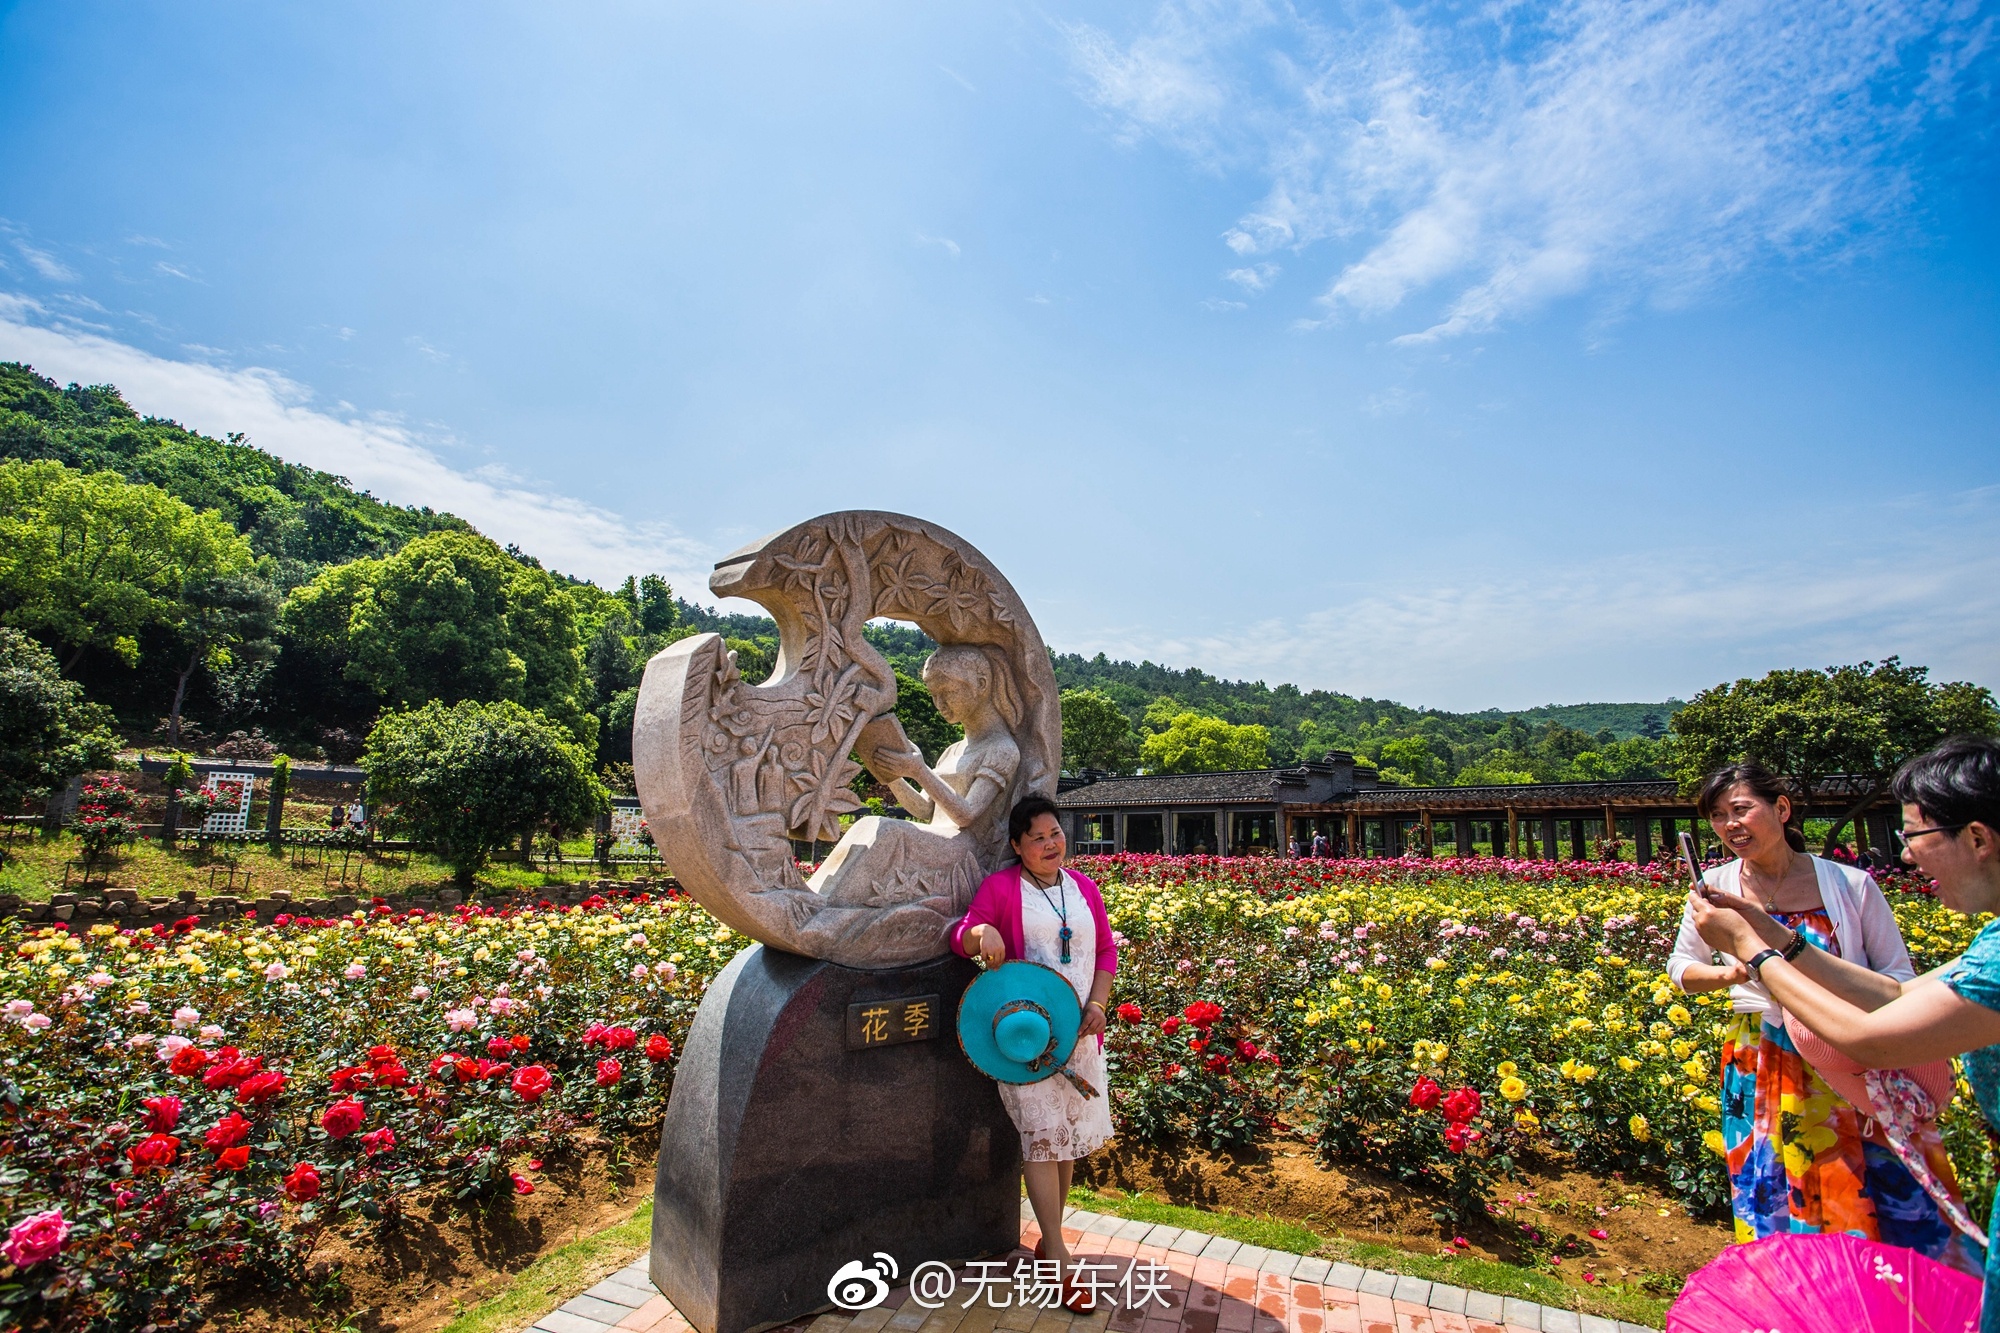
1062, 912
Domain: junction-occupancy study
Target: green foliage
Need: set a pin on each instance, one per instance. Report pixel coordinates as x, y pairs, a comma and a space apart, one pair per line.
473, 777
301, 518
449, 617
1096, 734
90, 561
1861, 720
48, 734
1192, 743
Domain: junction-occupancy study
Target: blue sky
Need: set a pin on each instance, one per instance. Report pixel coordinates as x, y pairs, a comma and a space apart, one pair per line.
1463, 355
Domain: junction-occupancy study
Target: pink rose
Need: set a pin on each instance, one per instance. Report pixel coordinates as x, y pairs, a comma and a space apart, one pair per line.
36, 1238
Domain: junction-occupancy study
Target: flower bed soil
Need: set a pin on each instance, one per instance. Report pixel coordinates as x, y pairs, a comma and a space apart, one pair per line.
1651, 1241
443, 1257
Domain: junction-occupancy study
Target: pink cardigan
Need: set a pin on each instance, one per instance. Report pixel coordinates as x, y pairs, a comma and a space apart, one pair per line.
997, 903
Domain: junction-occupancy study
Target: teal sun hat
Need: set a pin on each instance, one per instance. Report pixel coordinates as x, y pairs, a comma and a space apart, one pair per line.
1018, 1022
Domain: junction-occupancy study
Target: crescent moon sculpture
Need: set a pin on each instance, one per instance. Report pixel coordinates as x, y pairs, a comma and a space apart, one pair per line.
731, 773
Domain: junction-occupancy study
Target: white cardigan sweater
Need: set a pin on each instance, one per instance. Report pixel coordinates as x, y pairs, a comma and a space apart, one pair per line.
1862, 923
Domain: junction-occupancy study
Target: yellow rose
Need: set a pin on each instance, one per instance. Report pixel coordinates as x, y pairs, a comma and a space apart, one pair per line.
1641, 1131
1713, 1142
1506, 1069
1679, 1017
1513, 1089
1524, 1120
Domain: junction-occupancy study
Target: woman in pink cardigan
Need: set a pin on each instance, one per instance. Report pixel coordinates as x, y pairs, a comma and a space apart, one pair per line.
1039, 911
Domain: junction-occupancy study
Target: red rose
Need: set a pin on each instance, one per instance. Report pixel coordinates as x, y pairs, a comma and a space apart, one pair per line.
468, 1069
348, 1080
1247, 1049
620, 1039
1171, 1071
500, 1048
378, 1140
382, 1055
156, 1152
1462, 1105
391, 1074
1216, 1063
162, 1113
1426, 1094
494, 1069
659, 1049
1202, 1013
302, 1186
594, 1034
1130, 1012
1455, 1136
609, 1072
343, 1118
188, 1060
521, 1041
442, 1063
230, 1132
1172, 1025
531, 1083
260, 1088
230, 1069
233, 1159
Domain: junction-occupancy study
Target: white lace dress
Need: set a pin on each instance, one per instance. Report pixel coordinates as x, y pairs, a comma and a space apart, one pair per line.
1057, 1123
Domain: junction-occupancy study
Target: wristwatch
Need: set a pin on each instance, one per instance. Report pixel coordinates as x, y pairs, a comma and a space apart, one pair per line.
1764, 956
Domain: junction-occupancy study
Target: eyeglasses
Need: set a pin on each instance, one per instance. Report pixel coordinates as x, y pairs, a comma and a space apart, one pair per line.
1903, 836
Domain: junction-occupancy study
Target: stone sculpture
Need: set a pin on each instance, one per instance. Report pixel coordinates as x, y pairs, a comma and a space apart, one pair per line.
731, 773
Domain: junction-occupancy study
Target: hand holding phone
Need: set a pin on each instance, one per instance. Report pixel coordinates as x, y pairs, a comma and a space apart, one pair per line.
1693, 860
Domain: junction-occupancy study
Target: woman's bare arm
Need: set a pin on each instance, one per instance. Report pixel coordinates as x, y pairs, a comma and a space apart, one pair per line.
1748, 930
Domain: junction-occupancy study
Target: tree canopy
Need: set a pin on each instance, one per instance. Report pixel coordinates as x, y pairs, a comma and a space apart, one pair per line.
1861, 721
1096, 734
48, 734
472, 777
1191, 743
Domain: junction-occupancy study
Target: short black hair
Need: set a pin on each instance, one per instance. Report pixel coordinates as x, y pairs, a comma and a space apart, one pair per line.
1957, 782
1025, 812
1765, 785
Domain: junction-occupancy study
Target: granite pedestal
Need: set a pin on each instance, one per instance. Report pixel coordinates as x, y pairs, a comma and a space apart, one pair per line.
792, 1146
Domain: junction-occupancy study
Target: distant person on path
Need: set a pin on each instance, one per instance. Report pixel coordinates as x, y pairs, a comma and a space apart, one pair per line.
1951, 833
1321, 850
1024, 911
1800, 1157
335, 818
1292, 849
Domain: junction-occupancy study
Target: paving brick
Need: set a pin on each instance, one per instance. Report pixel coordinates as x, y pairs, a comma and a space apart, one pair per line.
1016, 1317
1345, 1276
604, 1312
829, 1323
1522, 1314
1592, 1323
1311, 1270
1161, 1236
1624, 1327
1095, 1224
1250, 1256
1448, 1321
1221, 1248
1190, 1242
1447, 1298
1560, 1321
1133, 1230
1413, 1318
1281, 1262
1485, 1305
562, 1321
870, 1320
1413, 1290
1343, 1319
620, 1290
1378, 1313
647, 1315
1375, 1282
908, 1318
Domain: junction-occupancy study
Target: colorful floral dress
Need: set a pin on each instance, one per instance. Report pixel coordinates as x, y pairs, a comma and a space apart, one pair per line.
1802, 1159
1975, 976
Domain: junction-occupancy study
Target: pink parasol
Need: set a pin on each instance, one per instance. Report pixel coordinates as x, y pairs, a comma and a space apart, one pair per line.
1805, 1283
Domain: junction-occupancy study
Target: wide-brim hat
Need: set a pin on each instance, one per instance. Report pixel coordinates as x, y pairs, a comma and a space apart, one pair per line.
1018, 1023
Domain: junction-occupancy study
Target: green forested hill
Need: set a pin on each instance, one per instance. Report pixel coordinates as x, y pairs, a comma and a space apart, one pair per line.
302, 518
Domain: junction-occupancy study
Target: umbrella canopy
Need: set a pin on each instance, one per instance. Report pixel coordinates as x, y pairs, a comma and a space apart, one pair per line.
1838, 1282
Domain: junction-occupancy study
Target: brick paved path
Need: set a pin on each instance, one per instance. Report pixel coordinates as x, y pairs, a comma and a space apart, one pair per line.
1216, 1286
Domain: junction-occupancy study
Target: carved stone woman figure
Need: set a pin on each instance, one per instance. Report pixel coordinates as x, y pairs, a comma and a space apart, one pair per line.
964, 799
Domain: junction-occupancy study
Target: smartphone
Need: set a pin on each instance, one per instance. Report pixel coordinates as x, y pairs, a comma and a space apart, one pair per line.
1692, 857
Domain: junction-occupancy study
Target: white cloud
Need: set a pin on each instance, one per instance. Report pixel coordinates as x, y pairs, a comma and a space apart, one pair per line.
378, 454
45, 263
944, 243
1255, 278
1925, 584
1639, 149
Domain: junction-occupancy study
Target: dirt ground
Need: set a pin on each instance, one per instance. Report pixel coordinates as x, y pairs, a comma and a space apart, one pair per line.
1647, 1234
442, 1258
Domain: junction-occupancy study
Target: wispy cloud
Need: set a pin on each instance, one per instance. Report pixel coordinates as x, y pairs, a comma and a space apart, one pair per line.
944, 243
45, 263
1255, 278
958, 78
379, 454
1648, 624
1634, 149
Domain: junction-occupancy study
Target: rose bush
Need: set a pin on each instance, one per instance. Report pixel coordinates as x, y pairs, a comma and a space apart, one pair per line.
183, 1107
